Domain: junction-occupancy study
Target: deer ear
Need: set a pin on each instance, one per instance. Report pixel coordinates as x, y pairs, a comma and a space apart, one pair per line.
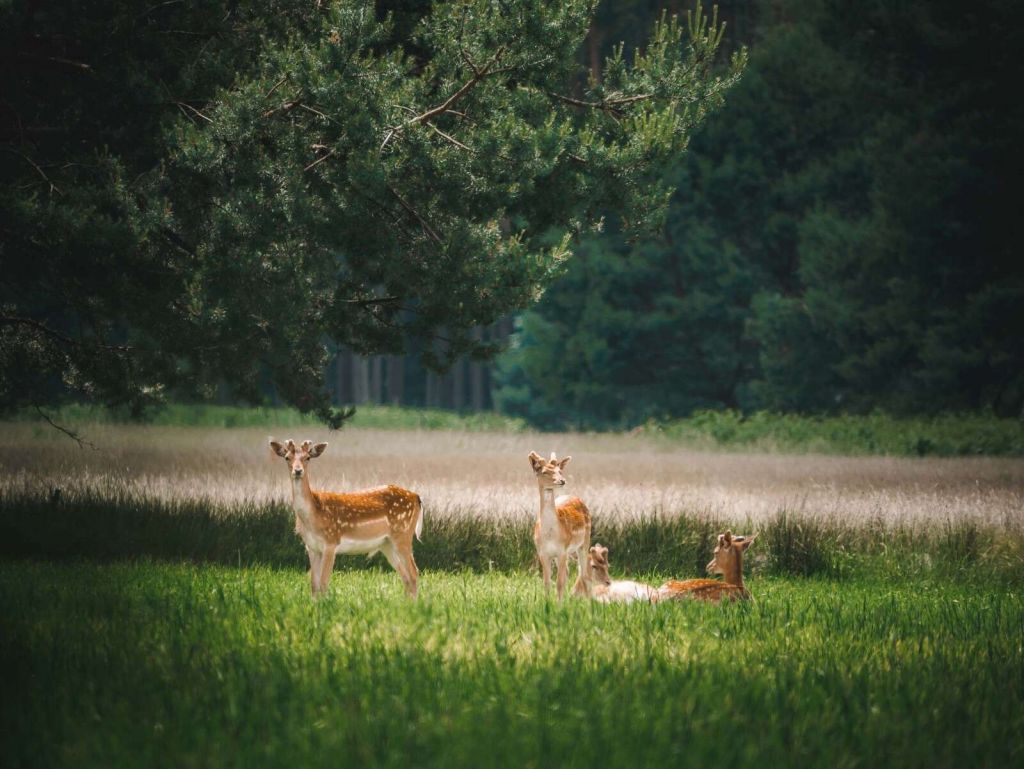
536, 461
564, 462
747, 541
317, 450
277, 448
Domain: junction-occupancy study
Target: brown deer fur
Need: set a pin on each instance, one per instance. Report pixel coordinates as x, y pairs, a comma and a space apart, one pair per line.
728, 562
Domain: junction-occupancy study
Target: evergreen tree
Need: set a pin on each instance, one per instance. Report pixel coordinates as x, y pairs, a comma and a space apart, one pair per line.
329, 174
842, 236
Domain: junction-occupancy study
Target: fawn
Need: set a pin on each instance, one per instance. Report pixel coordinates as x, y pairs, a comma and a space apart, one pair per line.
601, 587
563, 524
728, 562
381, 520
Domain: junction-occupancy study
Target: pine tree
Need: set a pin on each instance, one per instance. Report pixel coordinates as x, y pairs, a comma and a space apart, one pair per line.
358, 180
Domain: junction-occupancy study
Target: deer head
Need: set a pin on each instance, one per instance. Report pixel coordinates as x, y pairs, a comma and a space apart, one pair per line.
549, 472
597, 558
297, 457
728, 559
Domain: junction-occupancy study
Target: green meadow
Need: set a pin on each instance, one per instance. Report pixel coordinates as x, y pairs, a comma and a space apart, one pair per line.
156, 609
153, 664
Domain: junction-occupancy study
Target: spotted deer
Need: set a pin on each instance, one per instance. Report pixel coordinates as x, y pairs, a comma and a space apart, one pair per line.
563, 524
601, 587
381, 520
728, 562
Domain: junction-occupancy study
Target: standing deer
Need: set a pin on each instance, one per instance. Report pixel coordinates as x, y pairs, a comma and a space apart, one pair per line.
601, 587
381, 520
563, 524
728, 562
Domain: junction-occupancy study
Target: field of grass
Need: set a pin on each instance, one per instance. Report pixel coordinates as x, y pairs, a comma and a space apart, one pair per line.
367, 417
161, 665
945, 435
156, 610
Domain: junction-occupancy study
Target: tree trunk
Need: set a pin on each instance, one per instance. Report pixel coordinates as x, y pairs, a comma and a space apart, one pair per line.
396, 379
376, 378
594, 52
360, 379
340, 380
459, 385
476, 377
429, 397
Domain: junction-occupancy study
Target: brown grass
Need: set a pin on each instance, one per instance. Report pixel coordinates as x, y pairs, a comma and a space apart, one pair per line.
487, 475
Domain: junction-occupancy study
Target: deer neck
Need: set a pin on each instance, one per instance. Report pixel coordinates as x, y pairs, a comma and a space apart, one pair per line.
303, 501
547, 513
734, 573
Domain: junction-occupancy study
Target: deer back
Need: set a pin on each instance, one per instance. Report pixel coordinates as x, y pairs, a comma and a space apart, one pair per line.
399, 506
712, 590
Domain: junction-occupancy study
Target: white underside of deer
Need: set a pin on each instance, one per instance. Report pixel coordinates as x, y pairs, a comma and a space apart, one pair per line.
624, 591
368, 537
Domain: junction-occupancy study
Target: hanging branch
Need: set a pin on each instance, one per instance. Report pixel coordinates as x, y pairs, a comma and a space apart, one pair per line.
82, 442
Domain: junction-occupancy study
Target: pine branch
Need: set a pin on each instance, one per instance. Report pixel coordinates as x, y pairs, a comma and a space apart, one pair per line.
605, 105
423, 222
10, 320
478, 75
82, 442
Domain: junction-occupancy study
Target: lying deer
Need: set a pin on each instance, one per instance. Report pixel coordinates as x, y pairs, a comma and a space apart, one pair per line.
728, 562
601, 587
381, 520
563, 524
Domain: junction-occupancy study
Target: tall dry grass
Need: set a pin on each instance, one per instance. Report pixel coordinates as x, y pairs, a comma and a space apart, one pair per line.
487, 475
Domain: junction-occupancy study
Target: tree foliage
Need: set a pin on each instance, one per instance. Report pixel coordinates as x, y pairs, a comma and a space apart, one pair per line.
843, 236
229, 191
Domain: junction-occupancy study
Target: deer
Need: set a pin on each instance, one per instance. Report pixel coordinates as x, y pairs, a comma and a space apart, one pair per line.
380, 520
601, 587
728, 562
563, 525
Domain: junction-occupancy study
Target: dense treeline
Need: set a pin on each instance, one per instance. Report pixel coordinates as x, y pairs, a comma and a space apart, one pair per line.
202, 204
843, 236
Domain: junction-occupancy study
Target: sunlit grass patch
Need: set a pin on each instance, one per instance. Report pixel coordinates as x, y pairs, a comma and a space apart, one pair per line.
180, 665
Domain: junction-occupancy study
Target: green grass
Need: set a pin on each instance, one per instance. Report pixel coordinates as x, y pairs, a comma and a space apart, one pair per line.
111, 528
145, 664
944, 435
207, 415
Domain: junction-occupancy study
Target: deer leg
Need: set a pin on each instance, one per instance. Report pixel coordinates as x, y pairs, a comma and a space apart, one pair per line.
582, 574
326, 567
414, 572
314, 571
563, 571
545, 570
398, 562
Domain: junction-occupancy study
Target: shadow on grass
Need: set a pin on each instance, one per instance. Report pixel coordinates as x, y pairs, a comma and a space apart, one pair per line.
112, 529
91, 527
105, 529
